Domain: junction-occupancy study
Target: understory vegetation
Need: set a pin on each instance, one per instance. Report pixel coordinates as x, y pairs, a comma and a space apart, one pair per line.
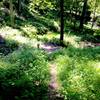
37, 33
24, 74
78, 73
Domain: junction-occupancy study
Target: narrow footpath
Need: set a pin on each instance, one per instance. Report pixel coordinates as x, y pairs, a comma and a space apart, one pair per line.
53, 85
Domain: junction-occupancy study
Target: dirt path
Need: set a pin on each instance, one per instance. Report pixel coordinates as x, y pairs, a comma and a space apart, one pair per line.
53, 85
49, 47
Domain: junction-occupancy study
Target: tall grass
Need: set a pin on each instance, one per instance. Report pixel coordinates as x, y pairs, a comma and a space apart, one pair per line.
79, 73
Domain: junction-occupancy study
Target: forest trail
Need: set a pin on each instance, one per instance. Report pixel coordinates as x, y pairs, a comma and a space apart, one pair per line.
53, 85
49, 47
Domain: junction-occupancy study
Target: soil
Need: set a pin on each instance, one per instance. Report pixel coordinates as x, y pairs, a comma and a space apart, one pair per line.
53, 85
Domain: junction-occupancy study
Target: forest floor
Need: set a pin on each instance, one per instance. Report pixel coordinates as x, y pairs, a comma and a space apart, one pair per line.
54, 84
50, 48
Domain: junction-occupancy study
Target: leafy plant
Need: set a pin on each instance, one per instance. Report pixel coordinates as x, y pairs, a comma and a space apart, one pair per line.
24, 75
98, 21
78, 73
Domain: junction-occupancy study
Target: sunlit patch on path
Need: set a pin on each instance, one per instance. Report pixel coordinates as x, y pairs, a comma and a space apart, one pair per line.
49, 47
87, 44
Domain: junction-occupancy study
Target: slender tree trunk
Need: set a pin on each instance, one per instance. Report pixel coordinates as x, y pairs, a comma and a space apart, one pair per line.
75, 18
62, 21
71, 13
11, 13
93, 20
19, 7
83, 14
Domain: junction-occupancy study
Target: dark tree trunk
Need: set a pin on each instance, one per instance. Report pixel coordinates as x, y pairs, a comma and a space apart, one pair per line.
11, 13
83, 14
75, 18
19, 7
62, 21
94, 13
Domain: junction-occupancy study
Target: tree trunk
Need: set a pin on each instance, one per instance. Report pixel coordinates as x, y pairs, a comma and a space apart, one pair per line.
11, 13
76, 10
94, 12
62, 21
83, 14
19, 7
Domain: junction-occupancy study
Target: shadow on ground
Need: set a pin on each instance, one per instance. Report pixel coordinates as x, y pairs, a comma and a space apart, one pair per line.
41, 23
89, 35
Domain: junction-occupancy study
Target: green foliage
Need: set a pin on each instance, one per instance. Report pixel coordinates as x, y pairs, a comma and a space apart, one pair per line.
42, 30
8, 47
24, 75
42, 6
98, 21
78, 73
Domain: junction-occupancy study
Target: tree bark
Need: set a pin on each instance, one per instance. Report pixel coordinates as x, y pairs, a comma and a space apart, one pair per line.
11, 13
19, 7
94, 12
62, 21
83, 14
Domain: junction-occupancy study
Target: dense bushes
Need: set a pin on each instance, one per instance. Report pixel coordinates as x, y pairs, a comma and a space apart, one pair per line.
42, 6
24, 75
8, 47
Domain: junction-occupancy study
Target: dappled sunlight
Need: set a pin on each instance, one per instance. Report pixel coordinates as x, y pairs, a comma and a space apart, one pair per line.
26, 41
4, 65
29, 30
49, 36
49, 50
76, 84
8, 31
97, 66
49, 47
73, 40
21, 39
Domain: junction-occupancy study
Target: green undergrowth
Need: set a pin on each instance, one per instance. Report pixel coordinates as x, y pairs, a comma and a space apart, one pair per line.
78, 72
33, 25
24, 75
8, 46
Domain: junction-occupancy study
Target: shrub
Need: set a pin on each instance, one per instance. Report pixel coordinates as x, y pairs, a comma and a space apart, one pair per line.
8, 47
98, 21
42, 30
24, 75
